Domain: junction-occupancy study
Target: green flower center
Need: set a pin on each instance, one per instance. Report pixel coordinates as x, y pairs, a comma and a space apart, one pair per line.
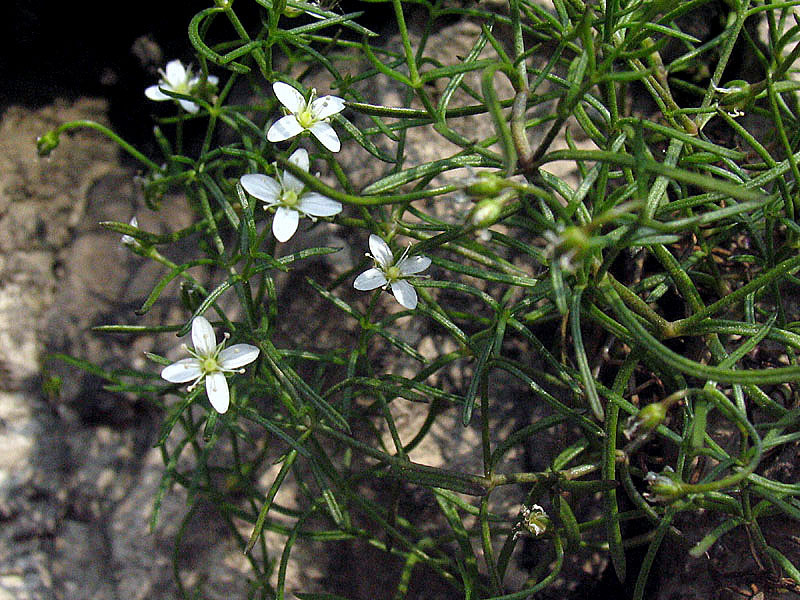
210, 365
290, 199
306, 118
392, 273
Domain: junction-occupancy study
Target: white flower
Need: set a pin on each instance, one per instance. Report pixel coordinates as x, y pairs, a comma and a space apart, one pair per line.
390, 273
286, 192
178, 79
310, 116
210, 362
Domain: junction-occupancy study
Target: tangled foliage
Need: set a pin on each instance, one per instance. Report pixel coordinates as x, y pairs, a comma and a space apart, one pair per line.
634, 322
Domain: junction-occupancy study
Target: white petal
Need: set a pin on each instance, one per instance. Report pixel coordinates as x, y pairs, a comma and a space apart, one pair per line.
326, 136
380, 250
284, 128
189, 106
237, 356
285, 223
289, 97
324, 107
405, 293
203, 338
218, 393
298, 158
317, 205
154, 93
212, 80
262, 187
175, 73
186, 369
369, 280
413, 264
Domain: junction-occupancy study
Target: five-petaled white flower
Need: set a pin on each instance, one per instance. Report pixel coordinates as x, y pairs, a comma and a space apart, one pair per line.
178, 79
286, 192
390, 273
210, 361
312, 116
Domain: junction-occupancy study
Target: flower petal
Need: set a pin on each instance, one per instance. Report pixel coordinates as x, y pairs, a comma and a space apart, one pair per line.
285, 223
237, 356
284, 128
369, 280
186, 369
326, 136
289, 97
298, 158
218, 393
262, 187
324, 107
317, 205
175, 73
189, 106
405, 293
154, 93
380, 250
203, 338
413, 264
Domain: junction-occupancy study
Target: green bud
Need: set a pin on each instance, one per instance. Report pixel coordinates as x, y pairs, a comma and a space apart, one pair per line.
47, 143
486, 212
486, 185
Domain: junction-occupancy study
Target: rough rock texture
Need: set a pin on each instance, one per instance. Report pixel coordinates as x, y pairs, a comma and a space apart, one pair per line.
77, 472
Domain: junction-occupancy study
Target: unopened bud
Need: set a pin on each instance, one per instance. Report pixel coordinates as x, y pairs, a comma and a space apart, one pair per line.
486, 185
486, 212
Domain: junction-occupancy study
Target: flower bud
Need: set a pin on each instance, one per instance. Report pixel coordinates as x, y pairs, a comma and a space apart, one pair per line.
47, 143
486, 185
486, 212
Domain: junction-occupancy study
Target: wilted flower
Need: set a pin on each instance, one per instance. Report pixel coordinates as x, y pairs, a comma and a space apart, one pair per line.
286, 193
46, 143
647, 419
664, 486
564, 244
128, 240
312, 116
178, 79
210, 361
390, 273
534, 520
293, 12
